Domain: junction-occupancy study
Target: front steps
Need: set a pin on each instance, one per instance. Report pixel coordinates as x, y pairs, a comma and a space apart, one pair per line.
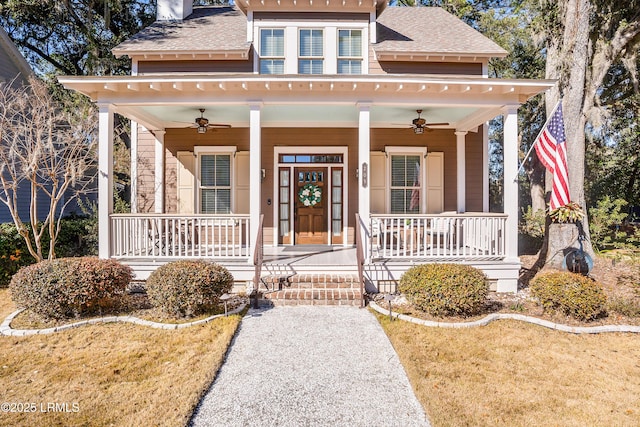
312, 289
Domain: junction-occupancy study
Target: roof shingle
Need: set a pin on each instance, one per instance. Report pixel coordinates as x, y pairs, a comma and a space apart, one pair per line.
207, 29
425, 30
430, 30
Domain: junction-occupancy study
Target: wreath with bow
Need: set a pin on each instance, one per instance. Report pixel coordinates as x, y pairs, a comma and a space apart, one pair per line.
310, 195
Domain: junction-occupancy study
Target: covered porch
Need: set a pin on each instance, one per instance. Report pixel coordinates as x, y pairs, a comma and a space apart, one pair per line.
356, 126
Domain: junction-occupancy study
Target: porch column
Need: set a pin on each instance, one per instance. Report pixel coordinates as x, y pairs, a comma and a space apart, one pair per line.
105, 178
511, 188
159, 171
134, 166
255, 173
364, 172
461, 170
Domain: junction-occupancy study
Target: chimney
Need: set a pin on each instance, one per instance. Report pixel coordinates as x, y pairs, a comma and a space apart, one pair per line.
171, 10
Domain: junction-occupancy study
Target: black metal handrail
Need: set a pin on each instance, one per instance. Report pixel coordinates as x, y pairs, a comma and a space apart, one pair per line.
360, 259
258, 256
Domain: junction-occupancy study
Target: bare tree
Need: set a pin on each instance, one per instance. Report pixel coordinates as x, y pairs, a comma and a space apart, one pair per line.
47, 153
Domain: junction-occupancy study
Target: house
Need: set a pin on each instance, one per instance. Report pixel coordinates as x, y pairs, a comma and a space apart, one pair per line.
275, 122
16, 71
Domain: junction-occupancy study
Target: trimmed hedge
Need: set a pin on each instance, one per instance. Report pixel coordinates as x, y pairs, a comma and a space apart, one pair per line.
188, 288
445, 289
570, 293
70, 287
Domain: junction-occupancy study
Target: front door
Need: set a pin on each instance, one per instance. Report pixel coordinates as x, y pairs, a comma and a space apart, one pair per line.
310, 215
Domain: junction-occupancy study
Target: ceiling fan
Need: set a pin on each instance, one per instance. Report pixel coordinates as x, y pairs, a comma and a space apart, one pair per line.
419, 124
202, 123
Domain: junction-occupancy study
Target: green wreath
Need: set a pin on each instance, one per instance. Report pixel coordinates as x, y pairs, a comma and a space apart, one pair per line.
310, 195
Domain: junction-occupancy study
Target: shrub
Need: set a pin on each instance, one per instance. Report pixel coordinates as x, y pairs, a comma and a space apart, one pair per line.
445, 289
188, 288
13, 253
572, 294
70, 287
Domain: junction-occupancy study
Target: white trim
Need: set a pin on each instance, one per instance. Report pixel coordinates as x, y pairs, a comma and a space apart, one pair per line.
105, 177
250, 26
277, 151
510, 166
134, 167
373, 33
255, 172
461, 169
159, 181
485, 169
407, 151
200, 150
290, 50
364, 158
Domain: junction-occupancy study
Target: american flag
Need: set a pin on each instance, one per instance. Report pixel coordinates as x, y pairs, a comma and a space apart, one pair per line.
551, 146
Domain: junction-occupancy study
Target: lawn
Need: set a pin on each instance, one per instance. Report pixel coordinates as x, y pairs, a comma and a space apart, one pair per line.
516, 374
112, 374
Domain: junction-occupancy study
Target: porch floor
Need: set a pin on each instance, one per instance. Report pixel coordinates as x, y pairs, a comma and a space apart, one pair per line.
316, 255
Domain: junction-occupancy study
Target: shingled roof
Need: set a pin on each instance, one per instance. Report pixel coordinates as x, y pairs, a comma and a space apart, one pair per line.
400, 30
207, 29
430, 30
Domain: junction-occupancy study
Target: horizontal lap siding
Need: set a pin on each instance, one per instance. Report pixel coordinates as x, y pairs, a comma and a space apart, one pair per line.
421, 67
146, 170
475, 171
437, 140
196, 66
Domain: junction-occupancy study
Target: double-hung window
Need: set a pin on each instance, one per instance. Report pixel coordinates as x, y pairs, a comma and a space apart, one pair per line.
311, 51
215, 183
406, 185
349, 51
272, 51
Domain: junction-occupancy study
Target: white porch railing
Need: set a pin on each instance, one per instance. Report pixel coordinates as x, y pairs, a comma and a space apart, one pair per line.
180, 236
454, 237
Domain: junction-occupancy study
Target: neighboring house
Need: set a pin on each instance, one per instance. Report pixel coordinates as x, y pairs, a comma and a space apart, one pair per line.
322, 99
15, 70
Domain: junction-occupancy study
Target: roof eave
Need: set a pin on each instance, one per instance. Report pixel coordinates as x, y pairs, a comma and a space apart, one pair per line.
96, 87
403, 55
242, 53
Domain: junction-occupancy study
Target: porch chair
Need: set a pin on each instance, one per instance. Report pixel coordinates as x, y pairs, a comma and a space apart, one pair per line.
441, 230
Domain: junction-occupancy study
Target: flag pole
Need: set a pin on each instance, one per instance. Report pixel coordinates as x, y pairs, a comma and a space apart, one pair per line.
526, 156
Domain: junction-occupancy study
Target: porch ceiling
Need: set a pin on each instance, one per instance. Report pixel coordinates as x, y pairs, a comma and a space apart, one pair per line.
160, 102
305, 115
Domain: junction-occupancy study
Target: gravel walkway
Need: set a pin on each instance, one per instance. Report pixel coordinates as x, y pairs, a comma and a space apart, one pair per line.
310, 366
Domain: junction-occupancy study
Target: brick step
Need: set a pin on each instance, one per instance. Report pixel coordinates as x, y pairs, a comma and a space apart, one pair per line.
310, 285
312, 281
314, 297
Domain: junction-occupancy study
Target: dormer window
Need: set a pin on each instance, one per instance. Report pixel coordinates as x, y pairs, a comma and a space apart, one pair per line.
311, 51
349, 51
272, 51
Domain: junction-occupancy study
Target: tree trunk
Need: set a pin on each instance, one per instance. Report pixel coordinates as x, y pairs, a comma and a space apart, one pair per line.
568, 64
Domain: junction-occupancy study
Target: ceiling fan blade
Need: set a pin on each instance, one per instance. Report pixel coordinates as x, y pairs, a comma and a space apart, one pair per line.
436, 124
218, 125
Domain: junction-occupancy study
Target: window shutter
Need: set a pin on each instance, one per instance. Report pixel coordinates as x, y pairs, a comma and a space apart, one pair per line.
186, 182
435, 182
242, 189
377, 179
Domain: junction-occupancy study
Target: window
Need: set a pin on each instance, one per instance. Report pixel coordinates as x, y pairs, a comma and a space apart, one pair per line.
405, 183
310, 52
215, 183
349, 51
272, 51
